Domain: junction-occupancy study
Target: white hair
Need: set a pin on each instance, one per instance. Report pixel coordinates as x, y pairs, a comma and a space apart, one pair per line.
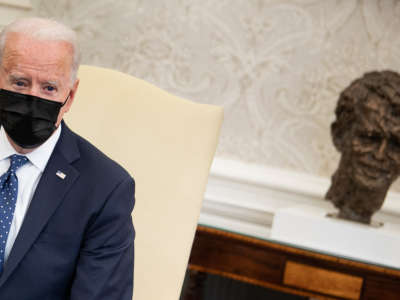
47, 30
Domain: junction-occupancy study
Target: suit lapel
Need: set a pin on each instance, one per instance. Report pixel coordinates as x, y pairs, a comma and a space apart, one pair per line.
48, 196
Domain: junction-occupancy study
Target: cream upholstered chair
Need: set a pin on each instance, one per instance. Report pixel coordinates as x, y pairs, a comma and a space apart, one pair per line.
167, 144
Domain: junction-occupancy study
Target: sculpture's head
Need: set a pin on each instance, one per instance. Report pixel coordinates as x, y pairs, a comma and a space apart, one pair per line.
367, 129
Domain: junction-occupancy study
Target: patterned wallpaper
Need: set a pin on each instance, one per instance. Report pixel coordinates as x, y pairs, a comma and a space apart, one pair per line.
276, 66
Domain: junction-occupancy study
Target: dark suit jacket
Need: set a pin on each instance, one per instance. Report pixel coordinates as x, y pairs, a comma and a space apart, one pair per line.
77, 239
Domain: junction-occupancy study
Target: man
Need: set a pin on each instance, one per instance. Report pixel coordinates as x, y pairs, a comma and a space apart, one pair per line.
65, 208
367, 133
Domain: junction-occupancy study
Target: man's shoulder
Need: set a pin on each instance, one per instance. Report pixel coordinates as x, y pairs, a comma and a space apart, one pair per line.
93, 162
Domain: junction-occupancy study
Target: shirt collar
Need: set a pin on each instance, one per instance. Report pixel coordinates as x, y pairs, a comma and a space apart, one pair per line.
38, 157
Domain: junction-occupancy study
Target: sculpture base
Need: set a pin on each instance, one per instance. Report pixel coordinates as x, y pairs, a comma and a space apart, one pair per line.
335, 215
309, 227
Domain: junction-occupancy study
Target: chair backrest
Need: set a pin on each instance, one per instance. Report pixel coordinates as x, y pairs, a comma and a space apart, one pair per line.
167, 144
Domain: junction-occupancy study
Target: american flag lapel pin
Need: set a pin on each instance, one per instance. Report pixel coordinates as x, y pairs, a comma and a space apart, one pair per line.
61, 174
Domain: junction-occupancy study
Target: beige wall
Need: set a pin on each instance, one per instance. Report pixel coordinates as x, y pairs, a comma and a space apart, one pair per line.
276, 66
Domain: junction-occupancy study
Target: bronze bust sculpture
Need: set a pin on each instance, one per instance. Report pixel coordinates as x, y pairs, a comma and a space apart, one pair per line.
367, 134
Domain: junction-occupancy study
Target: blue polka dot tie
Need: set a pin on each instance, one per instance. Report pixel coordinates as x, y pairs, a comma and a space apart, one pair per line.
8, 198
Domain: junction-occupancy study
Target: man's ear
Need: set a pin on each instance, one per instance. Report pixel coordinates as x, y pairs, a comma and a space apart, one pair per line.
72, 94
339, 133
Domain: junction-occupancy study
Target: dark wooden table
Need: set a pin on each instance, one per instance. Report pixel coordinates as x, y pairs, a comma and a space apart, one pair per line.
286, 268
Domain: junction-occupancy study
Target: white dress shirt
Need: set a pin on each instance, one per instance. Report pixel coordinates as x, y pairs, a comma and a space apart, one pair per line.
28, 178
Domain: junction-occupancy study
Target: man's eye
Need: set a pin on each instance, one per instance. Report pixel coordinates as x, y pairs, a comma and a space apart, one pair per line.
394, 142
368, 138
20, 83
50, 88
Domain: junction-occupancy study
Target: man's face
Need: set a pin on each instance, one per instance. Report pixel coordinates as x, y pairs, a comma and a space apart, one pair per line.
374, 146
38, 68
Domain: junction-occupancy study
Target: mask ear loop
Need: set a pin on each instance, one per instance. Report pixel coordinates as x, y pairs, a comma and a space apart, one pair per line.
66, 99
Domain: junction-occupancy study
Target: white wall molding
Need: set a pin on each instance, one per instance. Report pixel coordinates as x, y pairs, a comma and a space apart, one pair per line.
244, 197
22, 4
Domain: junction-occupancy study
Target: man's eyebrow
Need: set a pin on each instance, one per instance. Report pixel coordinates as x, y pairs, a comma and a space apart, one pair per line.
51, 82
14, 77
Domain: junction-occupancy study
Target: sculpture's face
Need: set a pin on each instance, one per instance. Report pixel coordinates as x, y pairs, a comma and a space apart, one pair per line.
374, 144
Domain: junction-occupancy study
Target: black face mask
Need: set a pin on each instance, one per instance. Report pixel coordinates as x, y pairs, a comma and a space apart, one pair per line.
28, 120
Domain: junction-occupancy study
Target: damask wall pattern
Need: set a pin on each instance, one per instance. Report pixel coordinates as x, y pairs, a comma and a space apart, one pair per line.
277, 67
